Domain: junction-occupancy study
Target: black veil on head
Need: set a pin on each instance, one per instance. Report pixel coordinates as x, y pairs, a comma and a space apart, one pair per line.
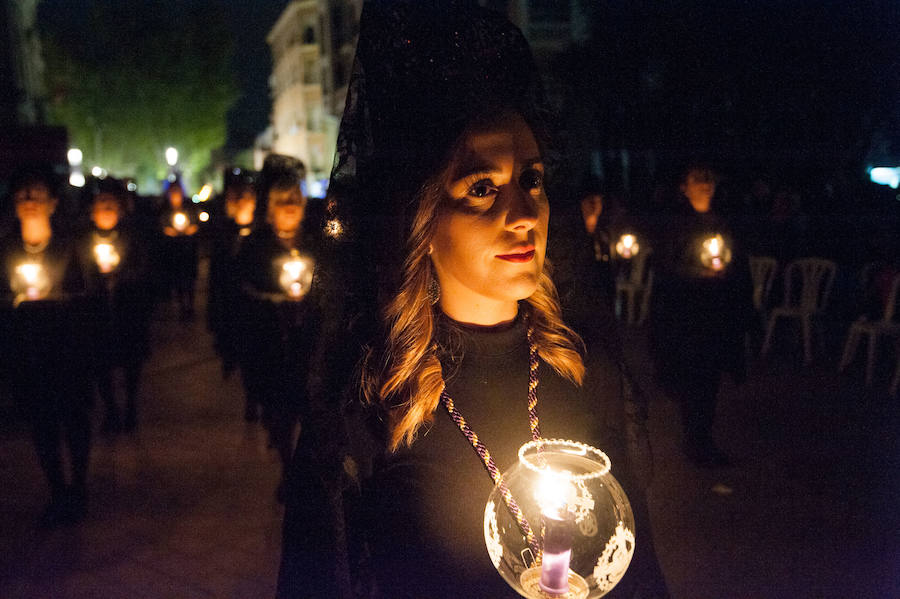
423, 70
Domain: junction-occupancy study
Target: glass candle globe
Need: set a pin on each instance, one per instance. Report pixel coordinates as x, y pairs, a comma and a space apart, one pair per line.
627, 246
579, 516
297, 274
715, 253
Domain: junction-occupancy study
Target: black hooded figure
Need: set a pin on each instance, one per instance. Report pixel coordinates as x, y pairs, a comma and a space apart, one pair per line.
443, 139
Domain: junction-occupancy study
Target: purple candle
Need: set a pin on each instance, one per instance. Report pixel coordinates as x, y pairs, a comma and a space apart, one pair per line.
557, 554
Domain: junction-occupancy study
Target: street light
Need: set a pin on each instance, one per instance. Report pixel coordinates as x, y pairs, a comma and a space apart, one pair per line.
75, 156
171, 156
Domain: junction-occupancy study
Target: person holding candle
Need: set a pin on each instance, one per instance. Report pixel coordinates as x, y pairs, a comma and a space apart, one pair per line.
229, 231
439, 311
45, 351
178, 222
275, 267
701, 309
116, 274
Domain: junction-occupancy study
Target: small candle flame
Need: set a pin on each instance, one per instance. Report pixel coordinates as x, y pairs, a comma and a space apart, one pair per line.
107, 256
30, 272
179, 220
715, 253
296, 274
627, 245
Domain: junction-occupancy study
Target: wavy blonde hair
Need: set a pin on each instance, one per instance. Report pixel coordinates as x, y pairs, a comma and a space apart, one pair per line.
406, 379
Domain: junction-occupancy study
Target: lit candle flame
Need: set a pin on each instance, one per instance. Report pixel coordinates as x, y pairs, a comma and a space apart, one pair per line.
31, 273
179, 221
296, 274
33, 279
107, 256
554, 493
627, 246
714, 253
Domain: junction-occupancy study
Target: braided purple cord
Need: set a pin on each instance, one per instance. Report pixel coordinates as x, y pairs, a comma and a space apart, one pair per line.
491, 467
532, 387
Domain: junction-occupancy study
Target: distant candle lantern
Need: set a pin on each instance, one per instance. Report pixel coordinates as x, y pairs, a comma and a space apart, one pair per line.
31, 282
297, 274
627, 246
179, 221
107, 257
577, 509
715, 253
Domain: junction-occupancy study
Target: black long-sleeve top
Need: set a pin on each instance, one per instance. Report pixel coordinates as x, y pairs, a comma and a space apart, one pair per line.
119, 300
413, 523
698, 315
44, 341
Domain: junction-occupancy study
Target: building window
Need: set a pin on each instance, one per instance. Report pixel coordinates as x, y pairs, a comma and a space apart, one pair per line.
309, 35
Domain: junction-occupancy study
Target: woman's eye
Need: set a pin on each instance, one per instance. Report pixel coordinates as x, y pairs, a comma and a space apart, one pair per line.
482, 189
531, 179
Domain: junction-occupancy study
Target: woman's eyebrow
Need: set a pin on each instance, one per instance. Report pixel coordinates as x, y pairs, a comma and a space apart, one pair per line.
466, 171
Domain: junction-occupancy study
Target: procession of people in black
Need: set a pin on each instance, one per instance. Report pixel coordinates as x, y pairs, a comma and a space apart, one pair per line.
299, 305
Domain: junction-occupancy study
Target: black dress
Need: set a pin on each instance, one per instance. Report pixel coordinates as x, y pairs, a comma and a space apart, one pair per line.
120, 307
179, 256
410, 524
224, 287
46, 356
276, 335
698, 317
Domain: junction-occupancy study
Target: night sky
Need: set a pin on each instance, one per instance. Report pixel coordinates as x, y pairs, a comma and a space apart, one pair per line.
811, 82
251, 22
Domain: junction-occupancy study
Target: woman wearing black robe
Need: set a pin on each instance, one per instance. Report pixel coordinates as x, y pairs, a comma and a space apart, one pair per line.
277, 324
701, 309
178, 222
46, 353
379, 504
117, 280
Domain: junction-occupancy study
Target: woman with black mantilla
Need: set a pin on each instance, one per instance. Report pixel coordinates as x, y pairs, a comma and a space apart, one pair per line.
116, 274
277, 324
701, 308
448, 229
44, 343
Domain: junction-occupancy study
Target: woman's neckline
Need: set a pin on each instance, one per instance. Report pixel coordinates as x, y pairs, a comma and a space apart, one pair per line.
459, 338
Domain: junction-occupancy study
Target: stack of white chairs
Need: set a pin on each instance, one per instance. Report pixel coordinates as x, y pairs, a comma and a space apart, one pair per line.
807, 287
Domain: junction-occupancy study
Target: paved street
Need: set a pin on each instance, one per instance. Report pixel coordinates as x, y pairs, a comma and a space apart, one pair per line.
186, 507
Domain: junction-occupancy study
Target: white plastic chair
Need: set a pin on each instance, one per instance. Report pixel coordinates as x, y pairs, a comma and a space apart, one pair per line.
872, 330
637, 287
762, 269
805, 301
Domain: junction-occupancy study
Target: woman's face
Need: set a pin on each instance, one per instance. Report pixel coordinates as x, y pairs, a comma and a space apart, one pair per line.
176, 197
34, 203
286, 208
699, 190
491, 234
105, 212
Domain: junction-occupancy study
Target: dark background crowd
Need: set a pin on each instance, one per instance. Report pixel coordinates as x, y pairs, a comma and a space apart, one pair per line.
683, 128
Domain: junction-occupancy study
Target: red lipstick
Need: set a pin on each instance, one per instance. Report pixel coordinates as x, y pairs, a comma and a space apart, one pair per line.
519, 255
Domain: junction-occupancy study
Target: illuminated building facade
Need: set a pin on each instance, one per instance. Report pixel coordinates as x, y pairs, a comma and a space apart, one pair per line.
312, 45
